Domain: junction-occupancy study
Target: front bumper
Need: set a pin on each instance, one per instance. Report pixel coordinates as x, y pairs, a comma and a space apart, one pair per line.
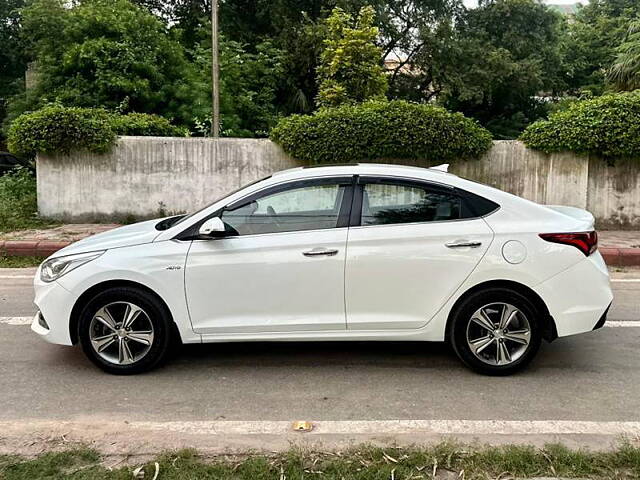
579, 297
54, 303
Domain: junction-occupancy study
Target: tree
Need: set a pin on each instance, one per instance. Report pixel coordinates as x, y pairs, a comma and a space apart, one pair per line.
349, 69
504, 55
13, 62
414, 33
160, 8
112, 54
248, 86
625, 72
593, 37
296, 28
292, 27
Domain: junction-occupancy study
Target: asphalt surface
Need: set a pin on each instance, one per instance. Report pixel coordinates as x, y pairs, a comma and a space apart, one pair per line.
592, 377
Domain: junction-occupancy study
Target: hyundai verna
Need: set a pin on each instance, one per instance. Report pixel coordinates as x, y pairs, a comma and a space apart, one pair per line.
360, 252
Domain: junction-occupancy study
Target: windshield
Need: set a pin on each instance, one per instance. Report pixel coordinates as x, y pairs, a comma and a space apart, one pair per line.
187, 217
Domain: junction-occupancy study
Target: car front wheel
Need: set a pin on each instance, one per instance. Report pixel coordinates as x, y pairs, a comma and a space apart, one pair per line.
125, 331
496, 331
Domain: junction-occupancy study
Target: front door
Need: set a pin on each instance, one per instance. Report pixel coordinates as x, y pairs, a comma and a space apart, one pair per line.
283, 271
412, 246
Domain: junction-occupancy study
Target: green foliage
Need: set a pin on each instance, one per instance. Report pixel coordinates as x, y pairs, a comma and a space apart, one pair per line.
57, 129
248, 86
109, 54
298, 28
349, 69
145, 125
12, 59
380, 129
492, 63
503, 54
594, 34
625, 72
19, 262
249, 80
18, 201
608, 126
118, 56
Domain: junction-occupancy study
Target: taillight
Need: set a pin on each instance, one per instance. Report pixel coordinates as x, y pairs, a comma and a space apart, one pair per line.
586, 242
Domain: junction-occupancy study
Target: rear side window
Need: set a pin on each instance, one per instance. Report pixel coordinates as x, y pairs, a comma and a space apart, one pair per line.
387, 201
384, 204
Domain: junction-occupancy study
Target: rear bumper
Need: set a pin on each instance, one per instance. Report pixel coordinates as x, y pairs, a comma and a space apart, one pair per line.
578, 298
603, 319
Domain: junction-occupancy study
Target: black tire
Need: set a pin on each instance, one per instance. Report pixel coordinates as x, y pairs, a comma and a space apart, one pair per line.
461, 321
155, 313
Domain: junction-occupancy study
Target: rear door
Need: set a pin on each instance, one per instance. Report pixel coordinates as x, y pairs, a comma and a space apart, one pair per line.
410, 246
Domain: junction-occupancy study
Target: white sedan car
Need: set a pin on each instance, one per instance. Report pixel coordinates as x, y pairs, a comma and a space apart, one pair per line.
358, 252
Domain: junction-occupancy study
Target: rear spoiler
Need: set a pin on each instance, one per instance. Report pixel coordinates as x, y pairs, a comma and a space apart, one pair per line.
441, 168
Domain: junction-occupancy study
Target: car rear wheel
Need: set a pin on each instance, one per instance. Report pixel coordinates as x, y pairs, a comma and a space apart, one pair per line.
125, 331
496, 331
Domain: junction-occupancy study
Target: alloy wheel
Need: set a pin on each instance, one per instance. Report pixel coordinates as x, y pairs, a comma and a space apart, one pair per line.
498, 334
121, 333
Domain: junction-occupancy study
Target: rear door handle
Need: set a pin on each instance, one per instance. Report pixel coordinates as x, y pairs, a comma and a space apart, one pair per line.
317, 252
463, 244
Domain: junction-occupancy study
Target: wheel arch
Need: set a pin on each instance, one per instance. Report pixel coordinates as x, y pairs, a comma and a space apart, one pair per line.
96, 289
549, 332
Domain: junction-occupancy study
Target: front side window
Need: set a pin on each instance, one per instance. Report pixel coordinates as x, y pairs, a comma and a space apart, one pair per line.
310, 207
389, 203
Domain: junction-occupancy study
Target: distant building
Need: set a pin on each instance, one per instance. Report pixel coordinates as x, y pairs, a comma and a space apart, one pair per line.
398, 61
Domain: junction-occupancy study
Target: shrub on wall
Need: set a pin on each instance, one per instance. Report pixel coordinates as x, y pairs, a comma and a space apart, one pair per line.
608, 126
57, 129
381, 129
146, 125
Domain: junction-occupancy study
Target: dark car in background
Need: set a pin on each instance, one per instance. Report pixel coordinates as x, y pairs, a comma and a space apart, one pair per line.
9, 161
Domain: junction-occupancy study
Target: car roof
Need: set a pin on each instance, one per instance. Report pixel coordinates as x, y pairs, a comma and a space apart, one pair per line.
434, 173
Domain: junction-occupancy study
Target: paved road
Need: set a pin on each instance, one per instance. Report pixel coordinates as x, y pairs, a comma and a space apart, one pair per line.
48, 390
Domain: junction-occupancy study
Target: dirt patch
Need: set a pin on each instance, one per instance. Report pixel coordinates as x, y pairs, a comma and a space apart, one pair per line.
134, 439
70, 232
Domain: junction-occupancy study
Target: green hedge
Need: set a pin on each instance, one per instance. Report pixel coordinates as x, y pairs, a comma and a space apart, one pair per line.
146, 125
56, 129
608, 126
381, 129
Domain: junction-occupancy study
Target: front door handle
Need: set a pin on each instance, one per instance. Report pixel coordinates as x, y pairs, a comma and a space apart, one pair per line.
317, 252
463, 244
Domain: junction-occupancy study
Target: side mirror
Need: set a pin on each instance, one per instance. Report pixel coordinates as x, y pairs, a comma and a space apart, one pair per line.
214, 227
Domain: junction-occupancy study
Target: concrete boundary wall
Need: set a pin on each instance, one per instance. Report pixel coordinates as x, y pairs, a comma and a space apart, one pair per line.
154, 176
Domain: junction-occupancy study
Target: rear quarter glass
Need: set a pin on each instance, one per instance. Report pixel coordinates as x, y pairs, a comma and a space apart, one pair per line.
476, 206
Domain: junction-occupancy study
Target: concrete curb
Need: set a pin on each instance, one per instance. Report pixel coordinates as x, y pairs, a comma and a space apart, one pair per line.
26, 248
615, 257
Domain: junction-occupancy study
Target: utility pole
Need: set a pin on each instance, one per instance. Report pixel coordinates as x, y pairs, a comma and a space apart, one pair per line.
215, 71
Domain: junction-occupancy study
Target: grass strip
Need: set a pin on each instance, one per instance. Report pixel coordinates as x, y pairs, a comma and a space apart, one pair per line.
19, 262
444, 460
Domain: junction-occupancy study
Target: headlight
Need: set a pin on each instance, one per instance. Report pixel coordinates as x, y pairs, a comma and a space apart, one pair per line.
54, 268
